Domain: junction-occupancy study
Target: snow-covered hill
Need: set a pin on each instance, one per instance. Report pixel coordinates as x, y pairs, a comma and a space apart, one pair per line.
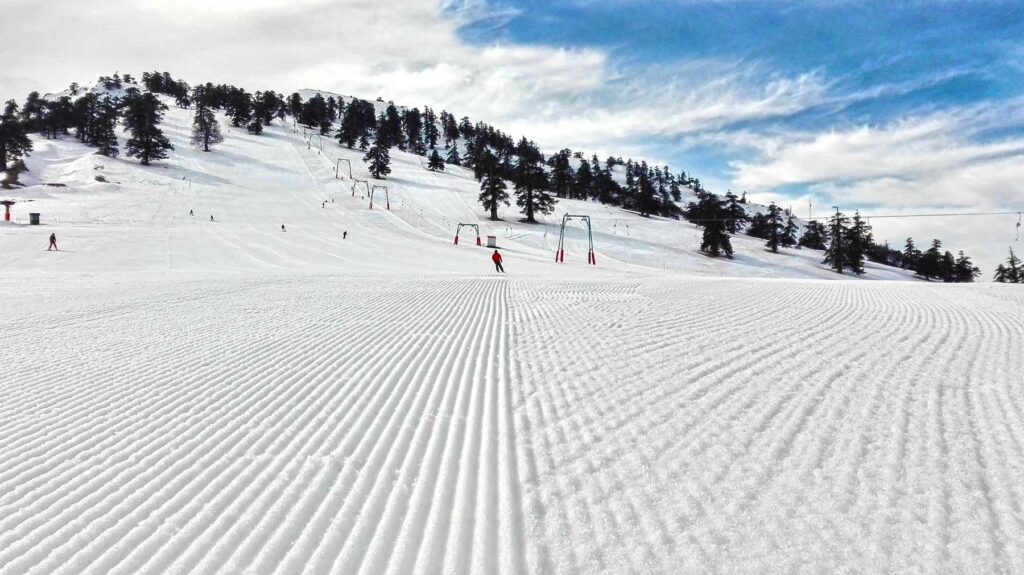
137, 218
184, 395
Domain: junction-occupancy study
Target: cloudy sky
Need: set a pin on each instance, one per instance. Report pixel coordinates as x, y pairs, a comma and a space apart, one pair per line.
888, 107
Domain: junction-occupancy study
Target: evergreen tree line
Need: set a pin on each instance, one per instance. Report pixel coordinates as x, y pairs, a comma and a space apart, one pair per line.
494, 157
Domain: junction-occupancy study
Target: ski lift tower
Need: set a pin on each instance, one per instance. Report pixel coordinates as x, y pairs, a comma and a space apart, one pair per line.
560, 254
7, 209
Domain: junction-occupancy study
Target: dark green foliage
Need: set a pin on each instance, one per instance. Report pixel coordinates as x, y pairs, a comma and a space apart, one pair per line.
711, 213
760, 227
142, 116
357, 121
836, 254
412, 122
493, 191
14, 141
104, 128
737, 215
530, 181
775, 228
789, 232
561, 173
1011, 272
435, 163
814, 237
453, 156
379, 158
205, 129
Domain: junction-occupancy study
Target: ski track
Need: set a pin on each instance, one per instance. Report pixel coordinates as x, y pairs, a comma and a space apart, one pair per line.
383, 423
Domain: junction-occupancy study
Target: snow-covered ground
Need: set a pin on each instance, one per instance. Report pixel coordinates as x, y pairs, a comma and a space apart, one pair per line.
181, 395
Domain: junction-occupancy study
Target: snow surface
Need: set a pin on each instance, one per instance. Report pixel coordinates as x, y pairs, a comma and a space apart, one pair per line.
183, 395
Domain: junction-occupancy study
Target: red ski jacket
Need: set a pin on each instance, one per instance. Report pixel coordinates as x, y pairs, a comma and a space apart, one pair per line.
496, 257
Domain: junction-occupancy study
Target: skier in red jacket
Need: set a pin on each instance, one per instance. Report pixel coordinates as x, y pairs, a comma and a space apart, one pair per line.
496, 258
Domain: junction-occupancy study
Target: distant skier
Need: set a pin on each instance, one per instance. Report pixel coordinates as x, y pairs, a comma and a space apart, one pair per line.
191, 213
496, 258
211, 217
53, 243
344, 235
324, 204
282, 228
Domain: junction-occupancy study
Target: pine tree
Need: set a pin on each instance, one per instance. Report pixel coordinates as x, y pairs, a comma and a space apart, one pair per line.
14, 142
529, 179
435, 163
85, 112
32, 113
379, 158
775, 228
760, 227
412, 120
646, 193
711, 213
493, 191
104, 129
142, 118
205, 129
930, 264
814, 236
789, 239
964, 269
737, 215
390, 128
911, 255
836, 254
453, 156
1002, 275
561, 173
1014, 271
857, 242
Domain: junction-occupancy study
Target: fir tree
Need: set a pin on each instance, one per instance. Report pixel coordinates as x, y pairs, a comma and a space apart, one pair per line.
930, 264
379, 158
435, 163
711, 213
814, 236
836, 254
561, 173
389, 128
789, 239
412, 121
32, 113
14, 142
857, 242
760, 227
911, 255
775, 228
205, 129
1012, 272
493, 191
1002, 275
737, 215
104, 129
646, 193
964, 269
142, 118
529, 179
453, 156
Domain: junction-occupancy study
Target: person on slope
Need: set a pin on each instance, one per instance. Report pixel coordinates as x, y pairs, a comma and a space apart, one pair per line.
191, 213
496, 258
344, 235
53, 243
211, 217
282, 228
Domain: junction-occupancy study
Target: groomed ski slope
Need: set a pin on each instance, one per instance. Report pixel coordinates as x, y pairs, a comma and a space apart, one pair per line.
185, 396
